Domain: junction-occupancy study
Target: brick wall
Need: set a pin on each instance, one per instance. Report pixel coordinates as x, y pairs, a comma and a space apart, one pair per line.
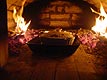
64, 14
56, 13
60, 14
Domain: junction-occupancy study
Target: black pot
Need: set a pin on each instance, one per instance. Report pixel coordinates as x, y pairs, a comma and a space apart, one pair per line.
37, 47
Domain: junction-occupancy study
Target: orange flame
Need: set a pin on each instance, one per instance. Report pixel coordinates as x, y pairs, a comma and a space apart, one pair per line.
21, 25
101, 22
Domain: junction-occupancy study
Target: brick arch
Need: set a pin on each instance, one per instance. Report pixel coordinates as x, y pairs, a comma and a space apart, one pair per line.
65, 14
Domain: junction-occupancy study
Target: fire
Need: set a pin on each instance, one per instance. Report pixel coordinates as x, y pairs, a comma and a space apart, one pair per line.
101, 22
21, 25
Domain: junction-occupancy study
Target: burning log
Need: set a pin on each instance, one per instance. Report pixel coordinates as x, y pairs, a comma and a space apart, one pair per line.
88, 38
98, 39
16, 41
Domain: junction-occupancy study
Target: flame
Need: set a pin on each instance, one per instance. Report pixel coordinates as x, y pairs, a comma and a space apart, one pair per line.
101, 22
46, 31
21, 25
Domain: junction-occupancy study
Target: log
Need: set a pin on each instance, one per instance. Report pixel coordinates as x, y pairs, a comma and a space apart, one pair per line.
3, 33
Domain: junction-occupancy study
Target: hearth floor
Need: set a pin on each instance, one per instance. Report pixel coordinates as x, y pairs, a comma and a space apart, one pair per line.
25, 66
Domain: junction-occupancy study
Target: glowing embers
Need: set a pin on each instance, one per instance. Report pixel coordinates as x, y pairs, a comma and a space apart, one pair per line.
101, 22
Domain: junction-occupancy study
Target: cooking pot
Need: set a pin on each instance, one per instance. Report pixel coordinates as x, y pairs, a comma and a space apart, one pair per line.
54, 45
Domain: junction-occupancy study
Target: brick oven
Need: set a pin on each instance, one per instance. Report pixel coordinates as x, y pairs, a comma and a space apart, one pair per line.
54, 28
67, 15
45, 15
